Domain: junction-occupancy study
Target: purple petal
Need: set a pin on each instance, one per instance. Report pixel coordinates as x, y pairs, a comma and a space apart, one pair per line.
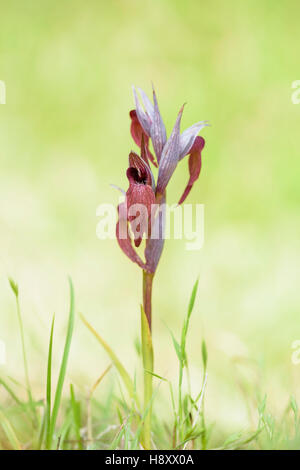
138, 134
142, 197
122, 191
147, 103
188, 137
144, 119
155, 243
124, 239
170, 156
158, 130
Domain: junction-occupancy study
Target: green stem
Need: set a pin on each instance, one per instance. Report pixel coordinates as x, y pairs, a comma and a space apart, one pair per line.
24, 357
147, 295
180, 401
147, 356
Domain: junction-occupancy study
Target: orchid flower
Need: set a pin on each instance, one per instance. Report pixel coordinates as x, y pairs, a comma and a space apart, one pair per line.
143, 210
147, 126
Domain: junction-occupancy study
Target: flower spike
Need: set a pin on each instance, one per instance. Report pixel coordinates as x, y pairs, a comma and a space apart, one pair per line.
144, 210
143, 195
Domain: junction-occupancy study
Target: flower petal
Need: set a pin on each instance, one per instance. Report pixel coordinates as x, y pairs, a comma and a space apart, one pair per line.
124, 239
158, 130
194, 166
137, 133
188, 137
170, 156
139, 200
155, 243
147, 103
121, 190
144, 118
143, 168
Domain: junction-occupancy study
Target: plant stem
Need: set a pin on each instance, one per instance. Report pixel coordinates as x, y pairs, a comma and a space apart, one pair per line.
180, 400
147, 295
24, 354
147, 350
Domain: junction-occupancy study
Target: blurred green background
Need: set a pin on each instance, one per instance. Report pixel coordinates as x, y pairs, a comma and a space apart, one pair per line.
64, 132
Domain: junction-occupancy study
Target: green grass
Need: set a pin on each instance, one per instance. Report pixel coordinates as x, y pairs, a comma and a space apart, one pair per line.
75, 421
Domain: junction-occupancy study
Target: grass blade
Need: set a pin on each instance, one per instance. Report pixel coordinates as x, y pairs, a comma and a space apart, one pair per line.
63, 367
187, 321
48, 389
10, 433
89, 403
76, 417
10, 392
15, 289
120, 368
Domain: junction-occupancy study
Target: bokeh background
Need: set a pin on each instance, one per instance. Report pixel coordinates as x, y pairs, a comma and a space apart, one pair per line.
64, 132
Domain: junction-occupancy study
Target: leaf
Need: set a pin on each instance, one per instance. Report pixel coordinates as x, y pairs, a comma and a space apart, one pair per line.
204, 355
294, 405
10, 433
48, 388
117, 439
156, 375
120, 368
15, 289
11, 393
63, 367
65, 429
14, 286
138, 347
187, 321
190, 437
192, 299
89, 403
76, 416
176, 347
262, 406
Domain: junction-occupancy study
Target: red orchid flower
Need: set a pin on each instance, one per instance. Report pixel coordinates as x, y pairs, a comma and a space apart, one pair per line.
147, 125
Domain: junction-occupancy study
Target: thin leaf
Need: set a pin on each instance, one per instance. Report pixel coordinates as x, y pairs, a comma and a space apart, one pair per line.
156, 375
204, 355
63, 367
89, 403
187, 320
10, 433
120, 368
176, 347
10, 392
15, 289
48, 388
76, 416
